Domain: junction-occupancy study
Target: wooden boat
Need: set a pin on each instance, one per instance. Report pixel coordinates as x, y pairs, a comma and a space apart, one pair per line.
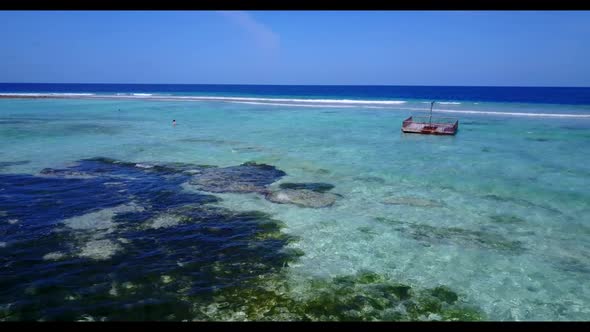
430, 125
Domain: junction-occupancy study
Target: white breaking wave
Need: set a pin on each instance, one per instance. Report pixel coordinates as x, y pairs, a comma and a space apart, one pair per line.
73, 94
245, 99
52, 94
295, 102
129, 94
555, 115
443, 102
290, 101
292, 105
558, 115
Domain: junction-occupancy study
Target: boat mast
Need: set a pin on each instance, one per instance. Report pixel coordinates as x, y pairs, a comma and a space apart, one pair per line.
430, 118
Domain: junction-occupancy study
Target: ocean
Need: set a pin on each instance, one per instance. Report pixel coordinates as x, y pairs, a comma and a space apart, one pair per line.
293, 203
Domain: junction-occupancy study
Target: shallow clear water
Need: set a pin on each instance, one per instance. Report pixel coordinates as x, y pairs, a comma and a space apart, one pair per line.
499, 212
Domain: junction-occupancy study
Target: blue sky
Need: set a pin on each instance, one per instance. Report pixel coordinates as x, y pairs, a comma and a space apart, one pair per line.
497, 48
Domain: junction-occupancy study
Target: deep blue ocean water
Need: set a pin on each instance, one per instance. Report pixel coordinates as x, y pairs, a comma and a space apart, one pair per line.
542, 95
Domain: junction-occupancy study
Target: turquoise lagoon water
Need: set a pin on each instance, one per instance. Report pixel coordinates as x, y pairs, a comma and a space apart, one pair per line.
498, 213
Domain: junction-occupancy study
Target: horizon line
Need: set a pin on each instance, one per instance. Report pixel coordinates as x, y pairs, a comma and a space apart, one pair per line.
364, 85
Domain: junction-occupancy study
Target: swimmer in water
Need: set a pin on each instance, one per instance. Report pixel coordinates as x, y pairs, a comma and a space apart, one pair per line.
174, 123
